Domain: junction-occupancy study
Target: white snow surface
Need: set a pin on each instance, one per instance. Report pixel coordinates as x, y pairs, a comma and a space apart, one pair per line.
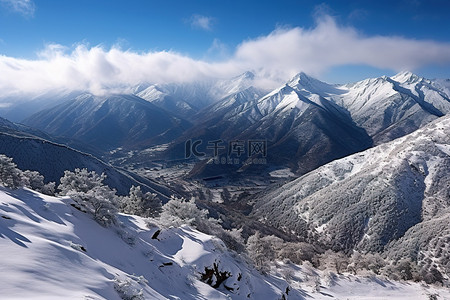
51, 250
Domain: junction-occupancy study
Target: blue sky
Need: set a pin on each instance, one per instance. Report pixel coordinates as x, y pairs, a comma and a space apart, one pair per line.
224, 32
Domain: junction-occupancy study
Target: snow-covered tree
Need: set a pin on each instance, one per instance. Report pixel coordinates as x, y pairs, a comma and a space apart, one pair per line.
35, 181
178, 211
334, 261
88, 190
10, 176
263, 250
138, 203
431, 274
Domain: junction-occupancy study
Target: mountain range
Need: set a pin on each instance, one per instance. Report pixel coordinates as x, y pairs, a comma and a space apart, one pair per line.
393, 198
305, 123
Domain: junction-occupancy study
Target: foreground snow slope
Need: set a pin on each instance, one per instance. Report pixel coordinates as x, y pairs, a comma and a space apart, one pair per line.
51, 250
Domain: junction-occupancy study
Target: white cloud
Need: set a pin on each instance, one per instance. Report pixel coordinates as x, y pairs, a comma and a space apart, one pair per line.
274, 58
24, 7
201, 22
328, 45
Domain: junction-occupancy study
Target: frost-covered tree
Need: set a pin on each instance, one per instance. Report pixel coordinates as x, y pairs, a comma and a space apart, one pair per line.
257, 250
35, 181
297, 252
178, 211
263, 250
138, 203
368, 262
431, 274
334, 261
10, 176
88, 190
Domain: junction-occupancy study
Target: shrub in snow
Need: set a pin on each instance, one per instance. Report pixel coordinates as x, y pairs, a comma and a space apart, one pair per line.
128, 289
10, 175
431, 274
88, 190
232, 238
330, 278
77, 247
215, 277
406, 269
138, 203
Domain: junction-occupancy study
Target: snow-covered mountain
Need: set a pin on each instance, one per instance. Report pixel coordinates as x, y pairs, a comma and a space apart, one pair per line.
301, 133
390, 107
51, 250
311, 122
393, 198
19, 107
186, 99
109, 122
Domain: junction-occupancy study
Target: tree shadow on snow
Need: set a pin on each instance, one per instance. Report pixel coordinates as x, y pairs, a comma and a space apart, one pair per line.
36, 203
6, 231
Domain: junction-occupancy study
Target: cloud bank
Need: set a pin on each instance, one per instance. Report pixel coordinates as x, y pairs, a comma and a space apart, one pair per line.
273, 58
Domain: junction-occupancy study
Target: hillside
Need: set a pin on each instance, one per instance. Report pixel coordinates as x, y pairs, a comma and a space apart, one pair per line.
392, 199
51, 250
51, 160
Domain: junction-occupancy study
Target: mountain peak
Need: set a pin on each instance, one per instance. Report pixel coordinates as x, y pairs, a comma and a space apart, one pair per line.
302, 78
406, 77
304, 83
247, 75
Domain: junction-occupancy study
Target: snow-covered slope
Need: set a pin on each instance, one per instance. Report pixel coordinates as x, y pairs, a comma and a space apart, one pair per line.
393, 198
51, 250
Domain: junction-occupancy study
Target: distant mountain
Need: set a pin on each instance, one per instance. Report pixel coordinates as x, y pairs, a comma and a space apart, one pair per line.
393, 198
19, 107
157, 96
109, 122
186, 99
30, 152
